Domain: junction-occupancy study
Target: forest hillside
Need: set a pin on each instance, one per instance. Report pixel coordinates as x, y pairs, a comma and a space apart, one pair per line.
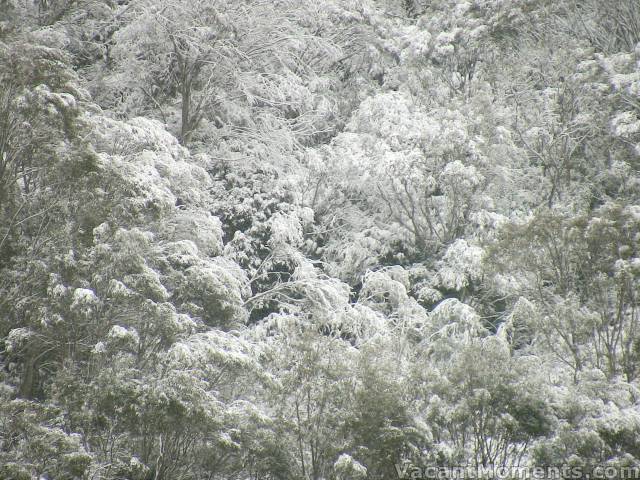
319, 239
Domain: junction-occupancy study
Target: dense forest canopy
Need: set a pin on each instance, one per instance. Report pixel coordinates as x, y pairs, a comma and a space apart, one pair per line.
318, 239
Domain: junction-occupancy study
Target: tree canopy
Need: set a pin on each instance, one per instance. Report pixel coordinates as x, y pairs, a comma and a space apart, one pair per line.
318, 240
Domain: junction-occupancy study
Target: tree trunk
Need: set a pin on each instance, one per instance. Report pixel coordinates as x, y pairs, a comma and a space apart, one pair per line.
185, 127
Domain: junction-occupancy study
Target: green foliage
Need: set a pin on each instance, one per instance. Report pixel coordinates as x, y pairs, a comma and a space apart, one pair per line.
317, 239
